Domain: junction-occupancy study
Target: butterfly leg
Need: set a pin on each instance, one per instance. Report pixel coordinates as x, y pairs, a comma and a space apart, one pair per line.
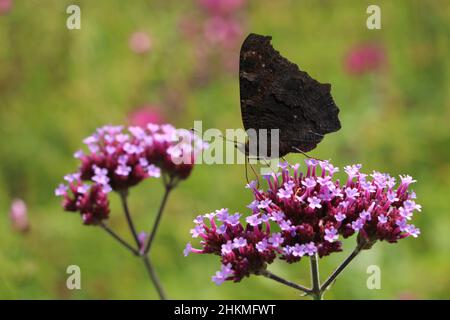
253, 170
258, 158
266, 162
305, 154
317, 134
302, 152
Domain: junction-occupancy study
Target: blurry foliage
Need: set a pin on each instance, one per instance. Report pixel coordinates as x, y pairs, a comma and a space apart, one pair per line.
57, 86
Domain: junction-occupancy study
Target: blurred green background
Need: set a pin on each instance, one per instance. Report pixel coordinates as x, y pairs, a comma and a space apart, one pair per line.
58, 85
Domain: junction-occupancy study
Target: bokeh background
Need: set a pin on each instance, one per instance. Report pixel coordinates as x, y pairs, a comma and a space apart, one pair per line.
176, 61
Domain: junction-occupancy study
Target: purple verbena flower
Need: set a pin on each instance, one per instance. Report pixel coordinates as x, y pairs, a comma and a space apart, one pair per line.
264, 203
187, 249
340, 216
358, 224
304, 214
262, 245
314, 202
223, 274
233, 219
309, 182
239, 242
299, 250
331, 234
118, 159
61, 190
253, 220
276, 239
310, 249
227, 247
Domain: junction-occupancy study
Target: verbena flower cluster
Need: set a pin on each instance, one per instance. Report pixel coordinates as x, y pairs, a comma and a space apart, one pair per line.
303, 214
118, 159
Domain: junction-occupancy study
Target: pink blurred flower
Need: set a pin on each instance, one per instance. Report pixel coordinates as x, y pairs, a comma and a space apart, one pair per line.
406, 295
365, 58
142, 237
145, 115
221, 7
215, 36
189, 27
140, 42
18, 215
5, 6
225, 31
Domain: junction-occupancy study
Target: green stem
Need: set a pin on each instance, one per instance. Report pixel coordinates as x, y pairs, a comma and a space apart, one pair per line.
315, 291
154, 277
123, 198
168, 188
341, 267
119, 239
270, 275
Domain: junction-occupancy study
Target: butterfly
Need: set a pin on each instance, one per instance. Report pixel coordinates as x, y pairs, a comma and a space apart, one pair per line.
276, 94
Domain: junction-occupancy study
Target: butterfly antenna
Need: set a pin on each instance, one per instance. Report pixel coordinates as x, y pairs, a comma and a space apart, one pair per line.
232, 141
223, 138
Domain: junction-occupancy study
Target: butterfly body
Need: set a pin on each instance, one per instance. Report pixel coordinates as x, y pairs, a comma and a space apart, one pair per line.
276, 94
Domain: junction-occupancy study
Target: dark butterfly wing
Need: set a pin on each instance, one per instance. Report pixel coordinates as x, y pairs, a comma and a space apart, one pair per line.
276, 94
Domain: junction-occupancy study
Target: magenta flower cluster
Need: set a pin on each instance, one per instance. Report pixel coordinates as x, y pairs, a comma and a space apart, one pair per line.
304, 214
365, 58
215, 31
118, 159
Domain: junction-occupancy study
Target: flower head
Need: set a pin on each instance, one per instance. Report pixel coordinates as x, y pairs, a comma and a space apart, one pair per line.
91, 201
245, 249
118, 159
221, 7
140, 42
313, 221
5, 6
365, 58
19, 216
143, 115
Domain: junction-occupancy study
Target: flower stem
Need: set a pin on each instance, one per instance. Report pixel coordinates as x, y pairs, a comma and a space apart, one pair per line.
168, 187
270, 275
119, 239
154, 277
123, 198
341, 267
316, 292
138, 252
